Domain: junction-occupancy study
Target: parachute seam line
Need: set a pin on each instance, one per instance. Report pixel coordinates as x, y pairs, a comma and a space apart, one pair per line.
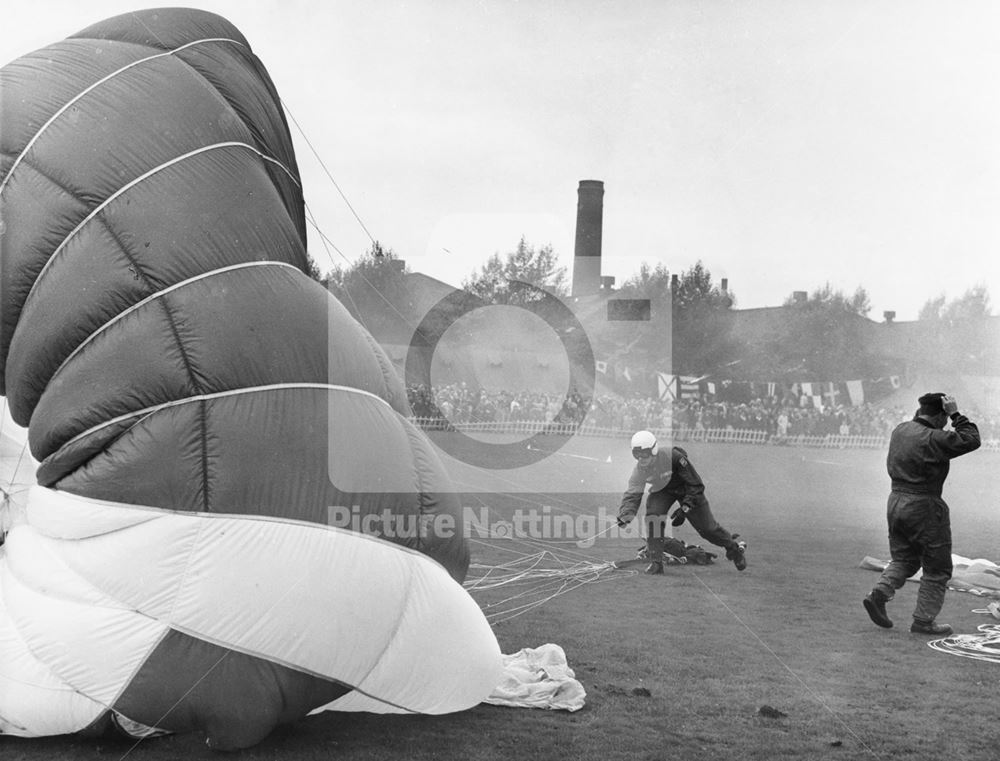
97, 210
169, 622
235, 648
139, 666
188, 562
787, 668
411, 435
205, 480
377, 660
119, 605
167, 512
162, 292
179, 700
192, 378
93, 86
147, 411
387, 379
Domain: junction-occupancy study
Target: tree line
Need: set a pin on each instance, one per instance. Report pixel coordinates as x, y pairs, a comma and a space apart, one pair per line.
823, 334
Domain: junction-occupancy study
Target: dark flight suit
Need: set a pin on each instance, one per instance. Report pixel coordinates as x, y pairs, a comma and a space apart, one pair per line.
671, 478
919, 522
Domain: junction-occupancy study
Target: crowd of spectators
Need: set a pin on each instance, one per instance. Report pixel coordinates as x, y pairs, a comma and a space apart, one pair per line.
780, 419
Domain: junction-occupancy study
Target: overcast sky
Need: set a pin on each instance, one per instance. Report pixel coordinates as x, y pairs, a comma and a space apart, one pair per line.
784, 143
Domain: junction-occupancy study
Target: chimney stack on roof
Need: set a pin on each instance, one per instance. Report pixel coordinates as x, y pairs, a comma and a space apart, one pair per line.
589, 229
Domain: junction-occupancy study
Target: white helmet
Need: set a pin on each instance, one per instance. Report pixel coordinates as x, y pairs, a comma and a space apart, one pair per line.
643, 444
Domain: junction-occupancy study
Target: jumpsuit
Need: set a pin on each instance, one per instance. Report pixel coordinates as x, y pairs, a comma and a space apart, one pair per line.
671, 478
919, 520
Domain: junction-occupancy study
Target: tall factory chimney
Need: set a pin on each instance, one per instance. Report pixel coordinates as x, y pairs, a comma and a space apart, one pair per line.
587, 251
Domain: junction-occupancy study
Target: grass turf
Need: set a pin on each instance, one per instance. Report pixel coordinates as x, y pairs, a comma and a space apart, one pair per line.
715, 649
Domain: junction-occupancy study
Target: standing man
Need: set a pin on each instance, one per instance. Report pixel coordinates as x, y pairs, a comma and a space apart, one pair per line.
671, 478
919, 523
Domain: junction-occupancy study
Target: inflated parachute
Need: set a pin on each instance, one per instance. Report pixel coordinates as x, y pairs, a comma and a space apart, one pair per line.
205, 417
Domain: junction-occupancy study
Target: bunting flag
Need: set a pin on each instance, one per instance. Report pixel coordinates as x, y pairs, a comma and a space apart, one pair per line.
689, 388
665, 386
622, 374
602, 367
856, 392
830, 394
817, 394
879, 388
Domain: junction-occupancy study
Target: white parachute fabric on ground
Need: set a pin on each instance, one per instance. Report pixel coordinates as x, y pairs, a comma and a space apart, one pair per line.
538, 678
977, 576
126, 575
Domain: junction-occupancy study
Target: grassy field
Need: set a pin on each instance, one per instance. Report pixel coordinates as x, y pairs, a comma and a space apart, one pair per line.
712, 647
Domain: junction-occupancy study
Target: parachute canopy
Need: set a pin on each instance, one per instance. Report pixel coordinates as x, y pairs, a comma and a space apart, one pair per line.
202, 411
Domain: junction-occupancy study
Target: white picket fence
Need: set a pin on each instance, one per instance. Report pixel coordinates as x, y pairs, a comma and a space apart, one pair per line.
708, 435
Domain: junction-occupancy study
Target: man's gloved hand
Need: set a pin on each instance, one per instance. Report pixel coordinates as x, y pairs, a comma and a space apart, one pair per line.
949, 404
622, 521
679, 515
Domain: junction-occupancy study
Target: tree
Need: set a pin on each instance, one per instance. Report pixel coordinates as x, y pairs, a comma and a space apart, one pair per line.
537, 267
932, 309
957, 331
695, 290
371, 288
825, 335
974, 304
689, 329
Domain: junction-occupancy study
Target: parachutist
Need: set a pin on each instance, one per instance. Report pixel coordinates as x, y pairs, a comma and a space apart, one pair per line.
672, 478
920, 451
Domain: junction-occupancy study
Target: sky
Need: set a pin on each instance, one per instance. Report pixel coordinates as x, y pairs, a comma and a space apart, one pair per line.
785, 144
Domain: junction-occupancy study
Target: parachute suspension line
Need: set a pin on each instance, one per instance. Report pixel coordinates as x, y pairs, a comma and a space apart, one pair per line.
388, 304
87, 90
533, 584
129, 185
326, 170
818, 698
364, 227
532, 578
327, 245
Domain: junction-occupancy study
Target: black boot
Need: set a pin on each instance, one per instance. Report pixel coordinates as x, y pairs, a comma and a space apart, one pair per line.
930, 627
738, 554
875, 605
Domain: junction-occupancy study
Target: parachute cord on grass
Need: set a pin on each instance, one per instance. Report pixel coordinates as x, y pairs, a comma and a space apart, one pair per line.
787, 668
539, 584
981, 647
502, 611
